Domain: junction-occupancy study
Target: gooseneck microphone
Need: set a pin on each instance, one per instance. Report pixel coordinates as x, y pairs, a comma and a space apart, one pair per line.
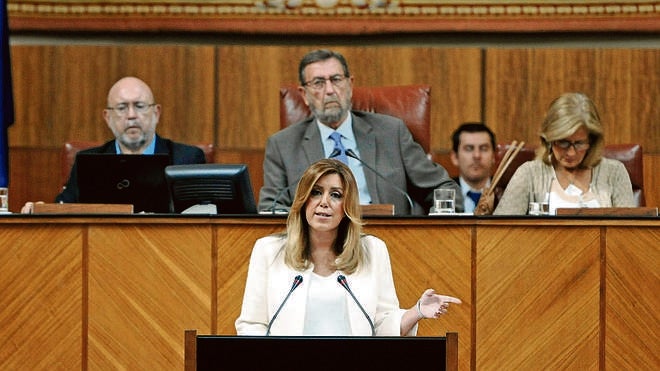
350, 153
296, 282
342, 281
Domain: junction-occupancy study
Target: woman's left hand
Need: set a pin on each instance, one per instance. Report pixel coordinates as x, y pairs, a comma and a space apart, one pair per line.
432, 305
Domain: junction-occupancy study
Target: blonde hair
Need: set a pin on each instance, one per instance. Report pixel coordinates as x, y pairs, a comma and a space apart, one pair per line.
348, 246
568, 113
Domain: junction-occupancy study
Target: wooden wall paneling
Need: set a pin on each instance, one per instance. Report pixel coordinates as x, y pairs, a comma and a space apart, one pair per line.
630, 342
59, 93
456, 77
32, 175
537, 302
41, 305
651, 179
147, 284
521, 83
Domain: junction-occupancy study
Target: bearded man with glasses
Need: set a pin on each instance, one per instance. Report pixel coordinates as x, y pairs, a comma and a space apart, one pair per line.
389, 166
132, 115
569, 169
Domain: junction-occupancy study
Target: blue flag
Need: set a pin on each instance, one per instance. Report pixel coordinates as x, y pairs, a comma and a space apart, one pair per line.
6, 95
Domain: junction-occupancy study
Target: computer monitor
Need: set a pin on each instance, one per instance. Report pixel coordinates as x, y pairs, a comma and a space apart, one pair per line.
226, 188
105, 178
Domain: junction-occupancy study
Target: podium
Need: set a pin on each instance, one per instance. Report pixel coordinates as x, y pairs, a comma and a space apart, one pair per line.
225, 352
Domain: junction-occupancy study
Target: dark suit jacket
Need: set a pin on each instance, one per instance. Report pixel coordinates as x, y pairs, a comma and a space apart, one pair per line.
385, 144
180, 154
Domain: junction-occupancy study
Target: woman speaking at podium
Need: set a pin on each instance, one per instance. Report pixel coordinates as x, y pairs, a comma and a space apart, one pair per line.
323, 276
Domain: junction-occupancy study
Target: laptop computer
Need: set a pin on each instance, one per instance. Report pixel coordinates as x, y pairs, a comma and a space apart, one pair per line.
124, 179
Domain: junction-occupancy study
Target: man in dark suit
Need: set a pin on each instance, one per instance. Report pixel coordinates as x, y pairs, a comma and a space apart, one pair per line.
384, 143
473, 153
132, 115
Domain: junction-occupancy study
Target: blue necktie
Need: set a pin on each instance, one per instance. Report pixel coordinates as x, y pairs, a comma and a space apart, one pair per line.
340, 147
474, 196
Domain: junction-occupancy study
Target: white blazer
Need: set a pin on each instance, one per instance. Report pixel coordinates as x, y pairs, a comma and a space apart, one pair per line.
269, 281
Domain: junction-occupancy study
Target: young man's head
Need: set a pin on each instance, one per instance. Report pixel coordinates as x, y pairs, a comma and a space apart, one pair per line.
473, 152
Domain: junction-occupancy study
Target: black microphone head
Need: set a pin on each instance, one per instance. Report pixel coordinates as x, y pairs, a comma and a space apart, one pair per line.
297, 281
335, 152
350, 153
341, 279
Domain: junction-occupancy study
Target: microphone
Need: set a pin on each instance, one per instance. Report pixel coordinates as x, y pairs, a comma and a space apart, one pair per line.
296, 282
336, 152
350, 153
342, 281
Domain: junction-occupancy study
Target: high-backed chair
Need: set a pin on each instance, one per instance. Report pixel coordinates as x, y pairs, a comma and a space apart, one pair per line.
630, 155
410, 103
71, 148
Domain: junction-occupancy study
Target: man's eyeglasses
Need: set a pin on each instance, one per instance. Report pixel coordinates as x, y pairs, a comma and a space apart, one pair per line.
139, 107
318, 83
579, 145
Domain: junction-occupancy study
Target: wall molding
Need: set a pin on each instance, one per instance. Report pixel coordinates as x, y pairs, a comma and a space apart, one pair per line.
335, 16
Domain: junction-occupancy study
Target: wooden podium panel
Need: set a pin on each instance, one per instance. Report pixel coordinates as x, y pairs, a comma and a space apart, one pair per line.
40, 297
116, 292
234, 246
147, 283
632, 299
537, 298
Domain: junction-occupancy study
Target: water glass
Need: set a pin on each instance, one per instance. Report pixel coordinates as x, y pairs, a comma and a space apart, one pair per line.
539, 208
444, 200
4, 200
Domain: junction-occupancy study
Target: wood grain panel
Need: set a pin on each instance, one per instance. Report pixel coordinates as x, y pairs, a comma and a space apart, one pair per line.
631, 343
438, 258
41, 300
521, 83
117, 292
250, 77
61, 90
651, 179
234, 246
537, 298
147, 284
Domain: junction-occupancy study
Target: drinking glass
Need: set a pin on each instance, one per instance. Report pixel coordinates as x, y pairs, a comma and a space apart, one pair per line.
444, 200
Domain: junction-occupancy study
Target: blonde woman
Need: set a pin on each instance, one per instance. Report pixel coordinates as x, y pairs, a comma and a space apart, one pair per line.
569, 169
324, 277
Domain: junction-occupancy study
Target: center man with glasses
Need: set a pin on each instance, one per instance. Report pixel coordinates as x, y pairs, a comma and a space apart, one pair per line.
132, 115
389, 166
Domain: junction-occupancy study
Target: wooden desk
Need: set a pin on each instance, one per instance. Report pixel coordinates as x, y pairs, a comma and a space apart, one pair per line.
108, 292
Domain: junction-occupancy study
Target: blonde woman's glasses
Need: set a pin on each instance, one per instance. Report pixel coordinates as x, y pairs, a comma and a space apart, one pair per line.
579, 145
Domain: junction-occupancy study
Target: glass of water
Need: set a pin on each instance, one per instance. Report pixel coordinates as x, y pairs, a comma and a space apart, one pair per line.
4, 200
444, 201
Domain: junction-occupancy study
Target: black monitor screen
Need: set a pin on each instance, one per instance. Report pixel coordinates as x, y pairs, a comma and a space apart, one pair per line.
225, 186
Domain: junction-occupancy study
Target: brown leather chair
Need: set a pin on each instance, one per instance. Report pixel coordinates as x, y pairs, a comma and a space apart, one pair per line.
71, 148
630, 155
410, 103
